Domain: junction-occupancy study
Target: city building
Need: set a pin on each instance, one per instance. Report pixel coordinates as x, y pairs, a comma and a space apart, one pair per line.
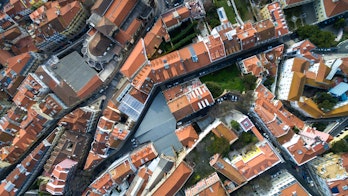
265, 30
116, 25
143, 154
31, 90
293, 3
330, 173
175, 17
221, 130
15, 180
256, 161
329, 9
282, 183
174, 180
187, 135
60, 76
227, 170
188, 98
115, 176
252, 65
154, 38
56, 22
228, 35
274, 12
71, 145
16, 69
60, 176
208, 186
139, 182
303, 49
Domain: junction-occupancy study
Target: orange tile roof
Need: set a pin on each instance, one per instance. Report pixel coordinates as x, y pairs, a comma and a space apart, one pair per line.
296, 189
121, 171
258, 164
138, 95
253, 65
209, 186
18, 62
105, 124
154, 37
175, 181
180, 107
281, 27
135, 60
176, 15
333, 8
223, 131
92, 160
187, 135
215, 47
139, 183
4, 56
297, 86
102, 183
134, 27
301, 153
323, 71
226, 169
188, 53
144, 154
119, 10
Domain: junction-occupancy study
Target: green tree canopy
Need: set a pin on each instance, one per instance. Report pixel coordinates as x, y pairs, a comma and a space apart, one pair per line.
340, 23
249, 82
340, 146
235, 125
320, 38
325, 101
214, 88
220, 145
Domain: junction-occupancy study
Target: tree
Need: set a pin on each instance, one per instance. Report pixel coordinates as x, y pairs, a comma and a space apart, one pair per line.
268, 82
214, 88
320, 38
235, 125
325, 101
340, 23
249, 81
320, 126
220, 145
340, 146
296, 130
247, 138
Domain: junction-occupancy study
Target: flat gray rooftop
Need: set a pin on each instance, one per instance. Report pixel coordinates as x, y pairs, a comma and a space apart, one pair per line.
74, 71
159, 126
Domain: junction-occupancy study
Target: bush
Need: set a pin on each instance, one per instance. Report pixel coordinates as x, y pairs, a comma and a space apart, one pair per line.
247, 138
214, 88
235, 125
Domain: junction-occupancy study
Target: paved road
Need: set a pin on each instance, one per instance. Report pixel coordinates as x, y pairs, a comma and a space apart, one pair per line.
343, 47
343, 124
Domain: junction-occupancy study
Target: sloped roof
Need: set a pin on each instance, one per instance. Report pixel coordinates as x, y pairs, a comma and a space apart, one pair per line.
187, 135
175, 181
135, 60
297, 86
333, 8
